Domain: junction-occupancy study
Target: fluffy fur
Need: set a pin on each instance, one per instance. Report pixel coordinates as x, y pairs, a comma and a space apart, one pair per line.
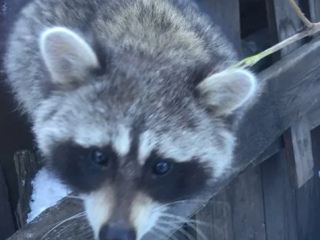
140, 80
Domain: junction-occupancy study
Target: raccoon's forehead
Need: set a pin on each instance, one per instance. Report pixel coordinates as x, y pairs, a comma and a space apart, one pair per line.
171, 138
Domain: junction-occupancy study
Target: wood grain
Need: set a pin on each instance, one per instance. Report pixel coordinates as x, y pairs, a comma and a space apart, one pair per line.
308, 198
286, 23
27, 165
279, 199
283, 23
299, 152
247, 203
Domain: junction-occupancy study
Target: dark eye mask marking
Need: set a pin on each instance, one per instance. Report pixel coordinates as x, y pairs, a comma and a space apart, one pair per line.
183, 180
84, 169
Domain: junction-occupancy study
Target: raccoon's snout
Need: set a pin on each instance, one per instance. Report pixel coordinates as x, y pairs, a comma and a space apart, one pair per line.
117, 232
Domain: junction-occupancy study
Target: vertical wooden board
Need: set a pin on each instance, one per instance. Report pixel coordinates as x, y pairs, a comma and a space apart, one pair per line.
308, 199
315, 135
314, 8
219, 214
247, 204
15, 132
27, 165
298, 146
279, 199
6, 218
283, 23
181, 234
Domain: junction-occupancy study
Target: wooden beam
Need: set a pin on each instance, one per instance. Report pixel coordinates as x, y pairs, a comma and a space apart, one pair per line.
308, 198
27, 165
314, 118
279, 199
314, 9
299, 152
285, 24
292, 86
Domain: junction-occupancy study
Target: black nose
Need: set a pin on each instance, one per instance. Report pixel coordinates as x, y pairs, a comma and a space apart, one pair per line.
108, 232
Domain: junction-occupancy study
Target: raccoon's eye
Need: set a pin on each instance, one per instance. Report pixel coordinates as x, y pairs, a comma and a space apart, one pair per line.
161, 168
99, 157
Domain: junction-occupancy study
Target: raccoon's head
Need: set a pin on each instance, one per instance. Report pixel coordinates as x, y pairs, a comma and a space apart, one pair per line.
130, 144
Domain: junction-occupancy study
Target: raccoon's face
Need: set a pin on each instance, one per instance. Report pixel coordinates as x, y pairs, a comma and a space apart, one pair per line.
126, 148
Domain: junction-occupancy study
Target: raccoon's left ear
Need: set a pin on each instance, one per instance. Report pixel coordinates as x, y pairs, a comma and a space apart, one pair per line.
67, 56
227, 91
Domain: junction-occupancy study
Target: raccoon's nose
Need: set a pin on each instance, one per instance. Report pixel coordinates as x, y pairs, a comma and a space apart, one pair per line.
114, 232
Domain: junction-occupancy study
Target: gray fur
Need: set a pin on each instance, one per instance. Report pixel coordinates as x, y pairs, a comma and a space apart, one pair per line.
150, 49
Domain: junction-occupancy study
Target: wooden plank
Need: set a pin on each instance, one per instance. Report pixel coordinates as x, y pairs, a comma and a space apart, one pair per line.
219, 214
279, 199
314, 9
283, 23
247, 205
7, 227
27, 165
292, 86
314, 118
299, 152
297, 138
308, 198
273, 149
74, 229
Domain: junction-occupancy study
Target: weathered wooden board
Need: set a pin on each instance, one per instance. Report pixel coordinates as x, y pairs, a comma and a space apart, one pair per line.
284, 23
314, 9
219, 214
247, 203
43, 226
314, 118
7, 227
290, 92
279, 199
27, 165
308, 198
299, 152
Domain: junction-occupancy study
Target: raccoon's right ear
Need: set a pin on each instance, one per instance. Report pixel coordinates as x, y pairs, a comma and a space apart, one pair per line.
225, 92
67, 56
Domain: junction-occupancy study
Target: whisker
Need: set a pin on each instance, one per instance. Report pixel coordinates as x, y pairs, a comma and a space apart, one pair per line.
162, 230
81, 214
181, 201
182, 219
179, 229
198, 231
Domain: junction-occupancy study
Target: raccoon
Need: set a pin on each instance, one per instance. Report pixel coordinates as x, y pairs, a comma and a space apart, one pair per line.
132, 103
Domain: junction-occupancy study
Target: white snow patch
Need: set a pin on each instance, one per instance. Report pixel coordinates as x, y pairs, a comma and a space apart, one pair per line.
47, 191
